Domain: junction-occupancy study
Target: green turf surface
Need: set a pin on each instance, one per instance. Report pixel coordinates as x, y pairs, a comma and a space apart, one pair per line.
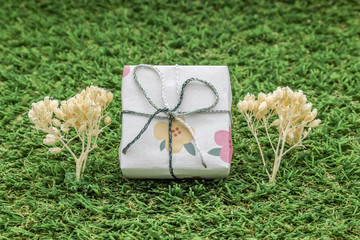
59, 48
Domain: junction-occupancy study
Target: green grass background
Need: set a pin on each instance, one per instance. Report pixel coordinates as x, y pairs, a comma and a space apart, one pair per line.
57, 48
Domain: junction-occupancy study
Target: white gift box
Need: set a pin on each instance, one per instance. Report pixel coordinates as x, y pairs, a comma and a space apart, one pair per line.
201, 145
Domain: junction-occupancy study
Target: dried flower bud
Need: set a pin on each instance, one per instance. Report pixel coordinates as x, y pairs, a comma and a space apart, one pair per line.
97, 110
54, 150
109, 97
64, 128
302, 99
295, 135
47, 102
251, 105
289, 92
52, 136
79, 99
77, 108
275, 123
269, 99
249, 97
95, 132
307, 107
82, 128
56, 122
36, 108
314, 123
261, 97
49, 141
279, 93
314, 113
242, 106
31, 114
70, 122
107, 120
295, 96
58, 113
291, 135
239, 106
262, 106
245, 105
54, 104
103, 99
87, 102
56, 131
70, 106
41, 106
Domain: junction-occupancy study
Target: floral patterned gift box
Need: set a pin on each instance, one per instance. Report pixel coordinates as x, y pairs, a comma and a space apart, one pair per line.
176, 122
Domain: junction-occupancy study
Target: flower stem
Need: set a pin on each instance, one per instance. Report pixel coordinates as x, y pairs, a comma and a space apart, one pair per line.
262, 155
277, 161
254, 133
267, 133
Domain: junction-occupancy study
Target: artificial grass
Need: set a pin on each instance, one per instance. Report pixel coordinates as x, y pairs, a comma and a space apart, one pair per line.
57, 48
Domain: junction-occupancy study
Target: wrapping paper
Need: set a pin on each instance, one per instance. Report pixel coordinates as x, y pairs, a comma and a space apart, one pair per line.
148, 157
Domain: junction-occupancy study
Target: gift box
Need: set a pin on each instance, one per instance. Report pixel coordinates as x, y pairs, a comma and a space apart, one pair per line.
176, 122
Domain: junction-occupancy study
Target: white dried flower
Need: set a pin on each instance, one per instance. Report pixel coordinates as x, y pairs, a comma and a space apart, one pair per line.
84, 112
292, 116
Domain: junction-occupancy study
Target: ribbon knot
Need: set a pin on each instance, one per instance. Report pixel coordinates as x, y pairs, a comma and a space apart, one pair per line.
171, 113
171, 116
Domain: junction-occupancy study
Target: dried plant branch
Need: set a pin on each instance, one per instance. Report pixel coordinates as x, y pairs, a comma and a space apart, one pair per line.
292, 116
83, 113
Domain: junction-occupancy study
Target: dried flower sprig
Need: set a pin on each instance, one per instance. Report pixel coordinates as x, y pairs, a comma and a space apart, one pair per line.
288, 111
82, 113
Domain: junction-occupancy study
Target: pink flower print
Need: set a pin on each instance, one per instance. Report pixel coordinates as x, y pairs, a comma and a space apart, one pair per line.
126, 70
223, 139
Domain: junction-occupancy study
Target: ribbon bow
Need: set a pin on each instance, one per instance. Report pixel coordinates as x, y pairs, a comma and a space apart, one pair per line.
171, 113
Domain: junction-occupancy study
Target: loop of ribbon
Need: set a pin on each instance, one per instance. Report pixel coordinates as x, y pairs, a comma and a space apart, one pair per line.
171, 113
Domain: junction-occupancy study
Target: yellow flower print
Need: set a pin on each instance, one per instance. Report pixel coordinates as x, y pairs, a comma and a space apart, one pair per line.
180, 136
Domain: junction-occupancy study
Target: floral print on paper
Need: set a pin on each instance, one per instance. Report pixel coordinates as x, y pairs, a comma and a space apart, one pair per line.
126, 70
223, 139
181, 137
